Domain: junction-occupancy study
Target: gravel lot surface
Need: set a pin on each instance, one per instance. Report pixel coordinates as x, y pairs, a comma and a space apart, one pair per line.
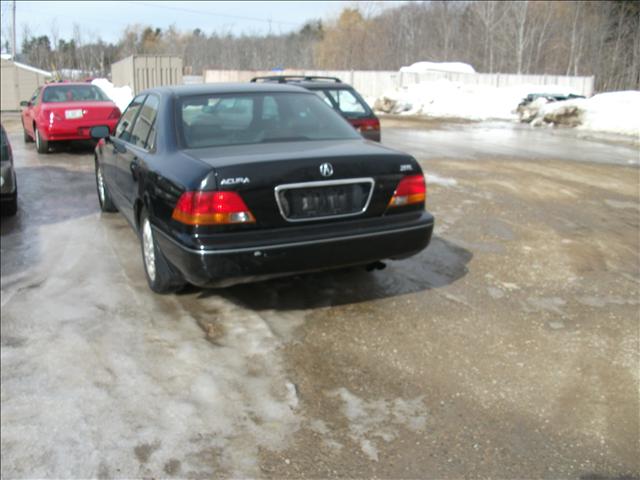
508, 349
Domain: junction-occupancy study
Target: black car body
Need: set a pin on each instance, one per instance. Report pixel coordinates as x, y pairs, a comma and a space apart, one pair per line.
342, 97
224, 189
8, 184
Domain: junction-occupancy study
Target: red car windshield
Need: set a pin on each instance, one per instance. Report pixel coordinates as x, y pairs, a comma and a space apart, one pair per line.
73, 93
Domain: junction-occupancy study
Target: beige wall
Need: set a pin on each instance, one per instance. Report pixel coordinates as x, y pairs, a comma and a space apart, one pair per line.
147, 71
17, 84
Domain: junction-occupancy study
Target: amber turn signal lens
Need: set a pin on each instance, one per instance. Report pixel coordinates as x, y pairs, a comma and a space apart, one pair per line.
212, 208
411, 190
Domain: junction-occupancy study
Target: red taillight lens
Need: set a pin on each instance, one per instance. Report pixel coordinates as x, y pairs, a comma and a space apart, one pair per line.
411, 190
115, 114
212, 208
52, 116
367, 124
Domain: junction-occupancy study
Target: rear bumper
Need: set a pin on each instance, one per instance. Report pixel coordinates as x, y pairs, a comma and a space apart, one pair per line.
227, 266
75, 131
371, 135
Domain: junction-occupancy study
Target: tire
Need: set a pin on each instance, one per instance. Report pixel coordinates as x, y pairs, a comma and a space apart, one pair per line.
10, 208
161, 276
104, 197
42, 146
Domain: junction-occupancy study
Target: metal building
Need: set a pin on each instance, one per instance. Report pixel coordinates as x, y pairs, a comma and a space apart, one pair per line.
147, 71
18, 82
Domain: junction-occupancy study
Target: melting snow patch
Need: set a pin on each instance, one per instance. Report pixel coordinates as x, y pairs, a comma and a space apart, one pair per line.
445, 98
433, 179
122, 389
611, 112
424, 67
379, 418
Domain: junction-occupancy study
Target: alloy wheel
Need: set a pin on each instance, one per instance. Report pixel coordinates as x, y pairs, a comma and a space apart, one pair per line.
148, 250
100, 185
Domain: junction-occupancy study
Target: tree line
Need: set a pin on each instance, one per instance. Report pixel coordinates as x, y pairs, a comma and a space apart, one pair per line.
599, 38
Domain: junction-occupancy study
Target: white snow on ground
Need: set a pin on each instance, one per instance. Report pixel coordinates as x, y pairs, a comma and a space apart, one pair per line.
422, 67
444, 98
612, 112
115, 389
379, 420
121, 96
433, 179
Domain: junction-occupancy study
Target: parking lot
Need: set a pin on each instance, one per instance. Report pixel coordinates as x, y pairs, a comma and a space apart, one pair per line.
508, 349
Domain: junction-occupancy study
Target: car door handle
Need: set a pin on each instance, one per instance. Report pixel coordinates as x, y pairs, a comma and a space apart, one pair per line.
133, 166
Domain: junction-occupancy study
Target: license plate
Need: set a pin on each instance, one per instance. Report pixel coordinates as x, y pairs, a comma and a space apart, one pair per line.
70, 114
307, 203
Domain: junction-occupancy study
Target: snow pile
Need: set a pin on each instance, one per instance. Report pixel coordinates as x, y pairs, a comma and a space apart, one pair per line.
613, 112
121, 96
444, 98
423, 67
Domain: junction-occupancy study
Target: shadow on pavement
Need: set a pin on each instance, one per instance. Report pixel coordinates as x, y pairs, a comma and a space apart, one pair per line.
441, 264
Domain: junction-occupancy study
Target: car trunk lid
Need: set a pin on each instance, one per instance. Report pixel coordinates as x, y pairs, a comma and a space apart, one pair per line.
81, 112
293, 183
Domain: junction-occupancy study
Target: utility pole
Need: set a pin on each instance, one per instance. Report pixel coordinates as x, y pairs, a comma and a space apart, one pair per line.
13, 32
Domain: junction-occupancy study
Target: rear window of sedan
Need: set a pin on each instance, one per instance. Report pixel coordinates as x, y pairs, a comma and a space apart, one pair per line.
346, 101
73, 93
239, 119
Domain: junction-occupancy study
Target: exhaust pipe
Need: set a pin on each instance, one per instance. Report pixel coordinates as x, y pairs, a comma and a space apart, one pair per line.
376, 266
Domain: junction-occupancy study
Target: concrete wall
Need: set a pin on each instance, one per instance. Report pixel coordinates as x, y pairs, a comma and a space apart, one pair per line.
147, 71
375, 83
17, 84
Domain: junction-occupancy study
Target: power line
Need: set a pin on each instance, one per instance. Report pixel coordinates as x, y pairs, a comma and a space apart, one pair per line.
212, 14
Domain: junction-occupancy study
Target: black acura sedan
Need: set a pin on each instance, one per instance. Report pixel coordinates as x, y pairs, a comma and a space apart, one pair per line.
228, 183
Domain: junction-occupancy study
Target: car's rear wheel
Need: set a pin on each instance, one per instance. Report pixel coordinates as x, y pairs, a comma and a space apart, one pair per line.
10, 207
42, 145
161, 276
106, 204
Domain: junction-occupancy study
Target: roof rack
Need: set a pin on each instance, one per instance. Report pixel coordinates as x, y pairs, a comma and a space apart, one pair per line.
299, 78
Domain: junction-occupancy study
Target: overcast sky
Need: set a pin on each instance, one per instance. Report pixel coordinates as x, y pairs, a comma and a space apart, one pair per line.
107, 20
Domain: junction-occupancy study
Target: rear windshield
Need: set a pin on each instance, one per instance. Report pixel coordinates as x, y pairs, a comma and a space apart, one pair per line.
348, 102
74, 93
235, 119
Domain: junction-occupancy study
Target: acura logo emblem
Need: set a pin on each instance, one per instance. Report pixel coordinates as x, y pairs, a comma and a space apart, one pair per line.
326, 170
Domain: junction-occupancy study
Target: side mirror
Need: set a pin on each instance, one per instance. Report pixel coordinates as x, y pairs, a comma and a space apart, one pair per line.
101, 131
25, 103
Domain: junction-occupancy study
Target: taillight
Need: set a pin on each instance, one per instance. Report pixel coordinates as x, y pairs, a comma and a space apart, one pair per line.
412, 189
367, 124
52, 116
212, 208
115, 114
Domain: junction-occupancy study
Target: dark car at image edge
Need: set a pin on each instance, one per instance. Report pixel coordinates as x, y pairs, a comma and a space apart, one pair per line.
228, 183
8, 183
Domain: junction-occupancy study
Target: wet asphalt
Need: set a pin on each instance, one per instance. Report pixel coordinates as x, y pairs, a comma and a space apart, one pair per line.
508, 349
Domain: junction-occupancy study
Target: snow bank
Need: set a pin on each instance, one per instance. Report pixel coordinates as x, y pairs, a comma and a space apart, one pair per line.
422, 67
613, 112
444, 98
121, 96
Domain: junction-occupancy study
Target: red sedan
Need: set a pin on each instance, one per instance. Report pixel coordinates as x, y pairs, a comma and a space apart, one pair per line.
66, 111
